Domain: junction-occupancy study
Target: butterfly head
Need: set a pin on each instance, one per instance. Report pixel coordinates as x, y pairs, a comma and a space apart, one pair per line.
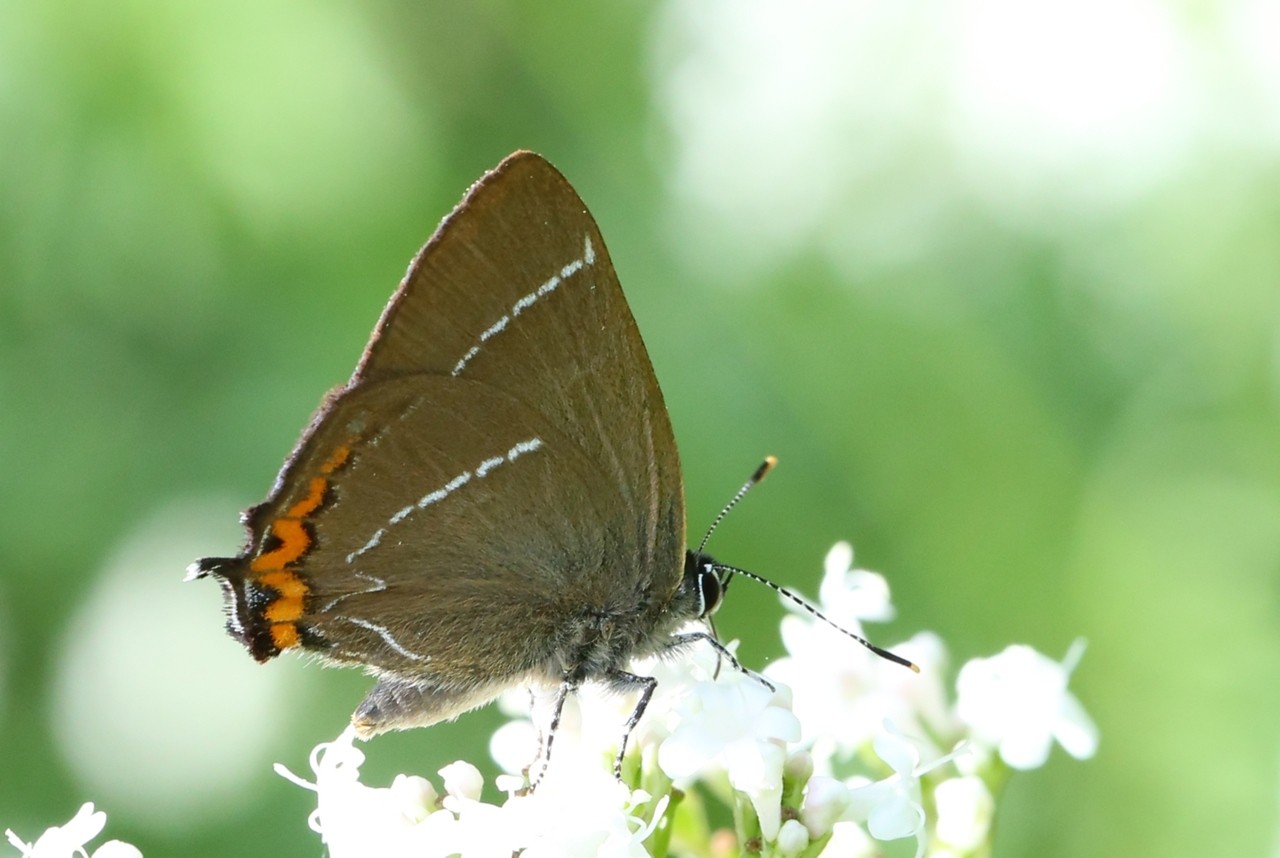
702, 586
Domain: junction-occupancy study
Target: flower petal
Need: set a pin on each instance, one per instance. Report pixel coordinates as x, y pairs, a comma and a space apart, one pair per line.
1075, 730
117, 849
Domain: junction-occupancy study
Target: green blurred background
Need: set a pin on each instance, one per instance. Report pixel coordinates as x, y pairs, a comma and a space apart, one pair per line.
999, 283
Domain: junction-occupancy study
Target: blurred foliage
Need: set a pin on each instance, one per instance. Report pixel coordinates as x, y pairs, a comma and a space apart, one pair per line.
1041, 415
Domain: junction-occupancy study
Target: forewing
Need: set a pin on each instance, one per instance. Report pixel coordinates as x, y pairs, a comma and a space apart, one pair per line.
516, 290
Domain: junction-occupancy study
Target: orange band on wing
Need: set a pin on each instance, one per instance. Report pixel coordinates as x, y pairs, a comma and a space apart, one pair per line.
294, 540
309, 504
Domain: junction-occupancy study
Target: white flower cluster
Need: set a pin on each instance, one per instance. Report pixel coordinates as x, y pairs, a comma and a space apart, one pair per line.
66, 841
848, 748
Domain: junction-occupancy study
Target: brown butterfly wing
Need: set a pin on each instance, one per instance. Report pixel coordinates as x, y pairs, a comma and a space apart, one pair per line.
509, 343
516, 290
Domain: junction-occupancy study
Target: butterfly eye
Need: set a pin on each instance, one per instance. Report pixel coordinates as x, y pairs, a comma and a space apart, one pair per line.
710, 590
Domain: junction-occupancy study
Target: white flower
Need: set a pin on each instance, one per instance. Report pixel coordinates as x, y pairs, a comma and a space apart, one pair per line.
843, 691
793, 837
711, 722
737, 724
581, 810
514, 745
65, 841
353, 819
826, 801
462, 782
849, 595
849, 840
964, 807
1017, 702
592, 722
892, 807
705, 717
596, 818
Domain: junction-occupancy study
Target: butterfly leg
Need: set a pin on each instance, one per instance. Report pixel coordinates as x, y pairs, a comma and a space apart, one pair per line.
542, 739
711, 630
562, 694
722, 652
623, 681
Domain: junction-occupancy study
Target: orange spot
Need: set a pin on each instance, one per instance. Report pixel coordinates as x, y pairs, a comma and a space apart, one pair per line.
288, 606
285, 582
284, 635
309, 504
286, 609
336, 459
294, 542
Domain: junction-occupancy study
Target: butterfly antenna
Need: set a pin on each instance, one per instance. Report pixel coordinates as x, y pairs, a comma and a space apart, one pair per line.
783, 591
761, 472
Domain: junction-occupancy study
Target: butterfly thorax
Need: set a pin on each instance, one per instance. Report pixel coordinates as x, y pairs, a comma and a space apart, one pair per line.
598, 643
